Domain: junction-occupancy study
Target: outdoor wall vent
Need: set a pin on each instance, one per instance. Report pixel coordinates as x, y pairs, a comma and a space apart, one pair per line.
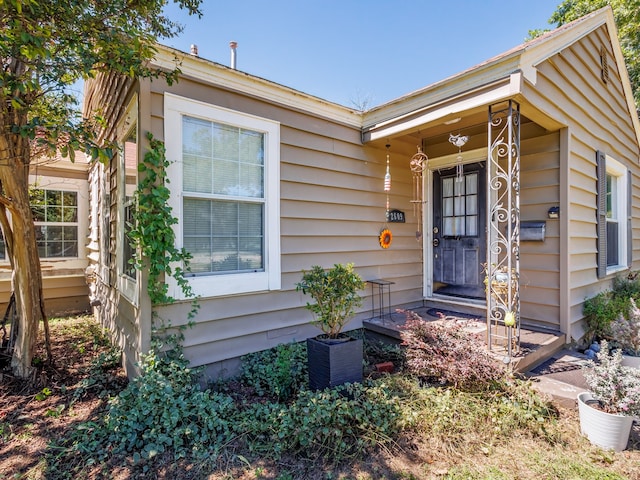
604, 65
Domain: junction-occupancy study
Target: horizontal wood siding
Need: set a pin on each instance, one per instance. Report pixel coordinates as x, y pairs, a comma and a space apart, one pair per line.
109, 94
332, 207
570, 89
540, 261
63, 294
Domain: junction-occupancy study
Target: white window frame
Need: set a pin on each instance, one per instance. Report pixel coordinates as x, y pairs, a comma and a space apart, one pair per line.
618, 172
128, 287
214, 285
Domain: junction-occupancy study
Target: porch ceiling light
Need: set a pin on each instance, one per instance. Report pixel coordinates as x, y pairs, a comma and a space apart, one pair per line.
452, 121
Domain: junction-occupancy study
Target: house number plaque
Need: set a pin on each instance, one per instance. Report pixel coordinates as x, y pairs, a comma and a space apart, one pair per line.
395, 216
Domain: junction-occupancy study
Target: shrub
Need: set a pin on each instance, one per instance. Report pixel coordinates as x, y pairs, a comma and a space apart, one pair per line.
626, 330
164, 408
446, 354
279, 372
616, 387
341, 422
335, 292
604, 308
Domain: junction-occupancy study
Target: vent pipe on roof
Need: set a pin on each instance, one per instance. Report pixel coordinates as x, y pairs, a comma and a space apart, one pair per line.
233, 46
194, 49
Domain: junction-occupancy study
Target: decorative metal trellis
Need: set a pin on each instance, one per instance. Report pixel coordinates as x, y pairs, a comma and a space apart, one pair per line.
418, 165
503, 221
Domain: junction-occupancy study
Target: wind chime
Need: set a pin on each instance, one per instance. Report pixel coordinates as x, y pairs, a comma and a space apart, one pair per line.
459, 141
418, 165
386, 236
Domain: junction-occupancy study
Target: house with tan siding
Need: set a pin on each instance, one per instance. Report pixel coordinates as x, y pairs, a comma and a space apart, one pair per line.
60, 203
518, 181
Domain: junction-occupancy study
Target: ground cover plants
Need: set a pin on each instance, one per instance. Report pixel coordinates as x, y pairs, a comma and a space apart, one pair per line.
82, 421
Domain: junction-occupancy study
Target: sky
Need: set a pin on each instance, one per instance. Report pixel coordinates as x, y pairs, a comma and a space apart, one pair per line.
356, 52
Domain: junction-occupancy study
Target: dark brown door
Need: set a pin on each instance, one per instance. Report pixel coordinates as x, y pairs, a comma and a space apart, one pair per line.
459, 236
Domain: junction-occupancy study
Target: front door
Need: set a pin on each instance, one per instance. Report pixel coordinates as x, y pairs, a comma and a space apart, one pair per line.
459, 231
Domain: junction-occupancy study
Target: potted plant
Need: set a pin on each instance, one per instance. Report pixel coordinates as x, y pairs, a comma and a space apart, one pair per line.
607, 412
333, 357
625, 332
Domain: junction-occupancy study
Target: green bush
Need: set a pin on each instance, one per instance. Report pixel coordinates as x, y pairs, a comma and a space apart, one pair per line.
278, 373
165, 409
605, 307
341, 422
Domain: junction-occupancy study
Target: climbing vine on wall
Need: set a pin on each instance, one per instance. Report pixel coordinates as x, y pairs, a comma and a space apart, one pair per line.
152, 231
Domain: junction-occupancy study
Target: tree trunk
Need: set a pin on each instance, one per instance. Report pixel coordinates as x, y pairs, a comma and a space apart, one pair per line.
14, 178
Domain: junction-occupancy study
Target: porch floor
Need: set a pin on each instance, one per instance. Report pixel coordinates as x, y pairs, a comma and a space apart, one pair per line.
535, 346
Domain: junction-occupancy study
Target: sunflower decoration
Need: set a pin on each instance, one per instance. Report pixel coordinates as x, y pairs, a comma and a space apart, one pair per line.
385, 238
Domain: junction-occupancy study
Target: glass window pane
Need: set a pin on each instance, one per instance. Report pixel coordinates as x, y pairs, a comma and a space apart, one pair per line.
472, 204
54, 197
70, 214
225, 218
54, 249
472, 183
226, 179
69, 233
251, 147
200, 250
38, 213
472, 225
250, 219
225, 256
612, 197
70, 249
225, 142
251, 183
447, 227
53, 214
458, 186
447, 207
70, 199
196, 137
197, 174
251, 254
447, 187
197, 217
459, 205
459, 226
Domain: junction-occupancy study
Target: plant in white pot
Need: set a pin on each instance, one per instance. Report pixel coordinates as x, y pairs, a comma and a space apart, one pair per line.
607, 412
334, 358
625, 333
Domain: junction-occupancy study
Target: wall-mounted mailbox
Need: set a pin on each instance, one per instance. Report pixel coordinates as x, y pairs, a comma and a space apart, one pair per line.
532, 231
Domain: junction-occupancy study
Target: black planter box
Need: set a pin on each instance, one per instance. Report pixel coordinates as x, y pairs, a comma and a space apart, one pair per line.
332, 364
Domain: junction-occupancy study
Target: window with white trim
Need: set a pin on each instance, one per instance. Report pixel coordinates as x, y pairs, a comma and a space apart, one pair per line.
613, 210
55, 215
127, 182
225, 177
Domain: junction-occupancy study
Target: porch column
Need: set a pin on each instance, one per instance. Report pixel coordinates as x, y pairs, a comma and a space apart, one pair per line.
503, 229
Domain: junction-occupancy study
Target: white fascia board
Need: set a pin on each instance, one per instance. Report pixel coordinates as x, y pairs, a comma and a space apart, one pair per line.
508, 88
224, 77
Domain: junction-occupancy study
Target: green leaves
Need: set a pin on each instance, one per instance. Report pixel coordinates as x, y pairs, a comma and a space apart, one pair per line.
336, 294
152, 231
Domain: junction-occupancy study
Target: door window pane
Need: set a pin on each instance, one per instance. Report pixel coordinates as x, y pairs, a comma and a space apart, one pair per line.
460, 205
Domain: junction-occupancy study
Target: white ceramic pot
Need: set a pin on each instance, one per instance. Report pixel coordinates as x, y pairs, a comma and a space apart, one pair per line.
631, 361
603, 429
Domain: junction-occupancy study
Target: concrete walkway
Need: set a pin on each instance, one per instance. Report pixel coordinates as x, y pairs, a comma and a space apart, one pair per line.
561, 377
